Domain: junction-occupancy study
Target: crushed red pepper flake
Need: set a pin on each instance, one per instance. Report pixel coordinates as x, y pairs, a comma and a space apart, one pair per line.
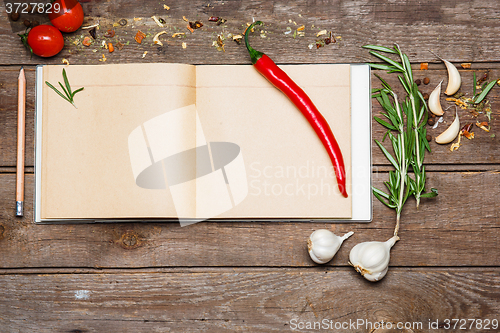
110, 47
189, 28
87, 41
119, 46
424, 66
110, 33
139, 36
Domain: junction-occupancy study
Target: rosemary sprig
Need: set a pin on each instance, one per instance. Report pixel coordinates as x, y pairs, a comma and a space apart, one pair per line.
68, 93
407, 119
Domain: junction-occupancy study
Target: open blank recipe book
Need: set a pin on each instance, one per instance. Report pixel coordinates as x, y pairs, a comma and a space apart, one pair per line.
168, 142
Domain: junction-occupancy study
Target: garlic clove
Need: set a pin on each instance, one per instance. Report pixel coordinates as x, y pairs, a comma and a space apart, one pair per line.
371, 259
450, 133
454, 79
323, 245
434, 102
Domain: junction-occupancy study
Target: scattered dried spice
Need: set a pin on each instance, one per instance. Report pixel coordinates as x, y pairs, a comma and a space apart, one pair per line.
14, 16
166, 7
219, 43
65, 61
424, 66
110, 47
178, 34
189, 28
137, 18
87, 41
27, 23
418, 82
213, 18
301, 28
156, 38
122, 22
330, 39
483, 126
110, 33
221, 21
466, 131
184, 45
139, 36
157, 21
320, 43
427, 80
103, 59
195, 24
466, 65
93, 32
144, 54
185, 19
322, 32
237, 39
119, 46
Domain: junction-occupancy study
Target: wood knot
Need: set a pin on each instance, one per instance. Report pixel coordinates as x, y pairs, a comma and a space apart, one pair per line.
130, 240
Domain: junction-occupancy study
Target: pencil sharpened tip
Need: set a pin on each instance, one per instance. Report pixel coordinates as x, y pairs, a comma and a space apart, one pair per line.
19, 208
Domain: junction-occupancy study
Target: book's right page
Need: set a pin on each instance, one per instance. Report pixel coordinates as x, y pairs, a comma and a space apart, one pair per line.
287, 169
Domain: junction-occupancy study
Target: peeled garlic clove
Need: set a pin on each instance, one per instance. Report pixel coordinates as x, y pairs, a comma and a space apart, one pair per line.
371, 259
454, 79
324, 244
434, 102
450, 133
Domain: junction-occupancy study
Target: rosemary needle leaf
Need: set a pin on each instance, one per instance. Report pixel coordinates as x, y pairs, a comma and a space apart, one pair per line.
475, 84
66, 81
388, 155
77, 90
64, 90
388, 60
485, 92
380, 48
385, 124
383, 67
430, 194
57, 91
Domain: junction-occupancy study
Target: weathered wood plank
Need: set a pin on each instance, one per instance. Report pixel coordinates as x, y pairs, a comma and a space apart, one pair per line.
246, 300
458, 30
484, 149
458, 228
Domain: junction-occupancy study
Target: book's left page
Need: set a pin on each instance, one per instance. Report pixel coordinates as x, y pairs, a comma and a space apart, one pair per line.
104, 160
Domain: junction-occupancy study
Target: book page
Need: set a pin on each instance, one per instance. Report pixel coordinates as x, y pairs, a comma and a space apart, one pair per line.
286, 171
106, 159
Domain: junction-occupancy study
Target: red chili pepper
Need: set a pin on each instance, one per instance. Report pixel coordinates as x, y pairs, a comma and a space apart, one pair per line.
282, 81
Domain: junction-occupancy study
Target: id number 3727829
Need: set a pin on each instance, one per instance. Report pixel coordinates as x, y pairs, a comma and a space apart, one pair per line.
32, 7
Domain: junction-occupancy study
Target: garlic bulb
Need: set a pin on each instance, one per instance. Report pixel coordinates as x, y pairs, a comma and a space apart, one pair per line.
323, 244
371, 259
434, 102
450, 133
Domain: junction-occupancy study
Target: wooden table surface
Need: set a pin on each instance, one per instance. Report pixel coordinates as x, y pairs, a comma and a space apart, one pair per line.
257, 276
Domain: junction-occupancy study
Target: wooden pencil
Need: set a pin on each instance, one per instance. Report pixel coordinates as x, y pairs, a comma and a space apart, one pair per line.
21, 125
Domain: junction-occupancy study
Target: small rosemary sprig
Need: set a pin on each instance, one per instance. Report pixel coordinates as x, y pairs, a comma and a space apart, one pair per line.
68, 93
407, 118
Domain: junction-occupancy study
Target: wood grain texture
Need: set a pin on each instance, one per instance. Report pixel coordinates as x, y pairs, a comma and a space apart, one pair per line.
459, 30
458, 228
257, 276
244, 300
484, 149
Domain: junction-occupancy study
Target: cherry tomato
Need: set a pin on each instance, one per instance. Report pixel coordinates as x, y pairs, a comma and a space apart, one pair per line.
66, 15
44, 40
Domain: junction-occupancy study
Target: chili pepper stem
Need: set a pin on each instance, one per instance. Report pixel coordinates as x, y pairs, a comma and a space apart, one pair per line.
254, 54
